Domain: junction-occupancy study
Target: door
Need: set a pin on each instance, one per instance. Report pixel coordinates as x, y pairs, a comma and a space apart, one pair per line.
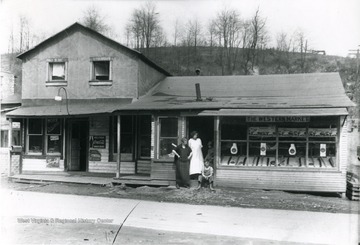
205, 127
143, 163
78, 145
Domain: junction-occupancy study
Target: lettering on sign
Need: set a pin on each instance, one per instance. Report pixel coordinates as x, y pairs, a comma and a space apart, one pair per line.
271, 119
98, 141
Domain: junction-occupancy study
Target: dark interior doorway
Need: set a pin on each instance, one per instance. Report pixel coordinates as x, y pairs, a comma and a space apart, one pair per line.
79, 131
205, 127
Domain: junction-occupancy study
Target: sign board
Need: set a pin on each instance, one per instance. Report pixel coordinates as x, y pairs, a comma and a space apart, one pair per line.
98, 141
95, 155
15, 125
52, 162
271, 119
262, 131
321, 132
289, 132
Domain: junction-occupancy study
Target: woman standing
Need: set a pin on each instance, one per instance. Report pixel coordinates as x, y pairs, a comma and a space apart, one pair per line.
183, 154
197, 159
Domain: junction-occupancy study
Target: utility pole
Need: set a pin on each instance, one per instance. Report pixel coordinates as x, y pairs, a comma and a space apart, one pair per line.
352, 51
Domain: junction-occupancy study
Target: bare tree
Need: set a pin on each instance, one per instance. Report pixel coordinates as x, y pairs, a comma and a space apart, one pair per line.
301, 44
283, 47
254, 36
228, 26
144, 25
93, 19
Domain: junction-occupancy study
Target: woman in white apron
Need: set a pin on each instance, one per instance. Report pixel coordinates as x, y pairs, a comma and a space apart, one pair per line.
197, 159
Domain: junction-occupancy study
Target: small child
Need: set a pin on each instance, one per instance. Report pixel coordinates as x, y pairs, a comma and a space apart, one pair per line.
206, 175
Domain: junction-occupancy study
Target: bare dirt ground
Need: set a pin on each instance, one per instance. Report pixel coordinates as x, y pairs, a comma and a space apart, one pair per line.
234, 197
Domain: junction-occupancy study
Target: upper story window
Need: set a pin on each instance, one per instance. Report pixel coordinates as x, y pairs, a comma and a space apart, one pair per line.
56, 72
101, 71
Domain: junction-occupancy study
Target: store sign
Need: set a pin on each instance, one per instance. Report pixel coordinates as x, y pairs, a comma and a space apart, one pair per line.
271, 119
98, 142
15, 125
95, 155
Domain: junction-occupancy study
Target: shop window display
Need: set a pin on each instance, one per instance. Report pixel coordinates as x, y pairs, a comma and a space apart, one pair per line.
306, 145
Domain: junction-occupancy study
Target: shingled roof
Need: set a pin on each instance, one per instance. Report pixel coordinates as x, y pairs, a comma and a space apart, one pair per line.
77, 26
315, 90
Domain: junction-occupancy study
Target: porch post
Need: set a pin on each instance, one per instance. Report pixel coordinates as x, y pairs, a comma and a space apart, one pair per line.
10, 134
217, 141
9, 146
118, 131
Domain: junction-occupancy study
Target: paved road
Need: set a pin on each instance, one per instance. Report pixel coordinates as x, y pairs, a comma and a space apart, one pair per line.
29, 215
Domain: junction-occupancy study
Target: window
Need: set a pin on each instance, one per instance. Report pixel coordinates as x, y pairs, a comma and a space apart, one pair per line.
101, 70
53, 135
44, 136
168, 136
310, 144
57, 71
35, 136
4, 138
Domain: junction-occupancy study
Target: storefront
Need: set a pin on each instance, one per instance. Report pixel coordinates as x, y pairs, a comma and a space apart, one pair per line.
286, 139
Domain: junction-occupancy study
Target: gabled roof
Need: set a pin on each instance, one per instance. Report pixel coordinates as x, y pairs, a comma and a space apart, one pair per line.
315, 90
78, 26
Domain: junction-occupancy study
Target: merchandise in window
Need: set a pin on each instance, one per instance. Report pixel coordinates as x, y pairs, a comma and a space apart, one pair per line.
168, 136
306, 145
53, 131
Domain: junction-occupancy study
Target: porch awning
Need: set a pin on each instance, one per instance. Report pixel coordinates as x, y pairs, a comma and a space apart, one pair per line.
276, 112
78, 108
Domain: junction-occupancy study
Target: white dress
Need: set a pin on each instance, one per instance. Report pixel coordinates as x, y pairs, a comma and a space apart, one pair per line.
197, 159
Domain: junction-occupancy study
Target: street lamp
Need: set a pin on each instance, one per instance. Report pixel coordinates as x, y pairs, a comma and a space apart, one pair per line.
59, 98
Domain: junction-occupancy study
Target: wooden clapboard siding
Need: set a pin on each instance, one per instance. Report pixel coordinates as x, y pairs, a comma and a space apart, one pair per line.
162, 170
343, 147
34, 164
143, 167
282, 180
110, 167
100, 126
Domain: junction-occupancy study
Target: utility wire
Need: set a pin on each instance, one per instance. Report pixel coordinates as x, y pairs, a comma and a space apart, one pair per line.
117, 233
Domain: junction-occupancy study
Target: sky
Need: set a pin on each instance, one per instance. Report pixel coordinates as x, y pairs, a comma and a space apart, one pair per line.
330, 25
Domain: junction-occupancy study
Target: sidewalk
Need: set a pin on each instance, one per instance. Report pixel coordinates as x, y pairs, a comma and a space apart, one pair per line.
265, 224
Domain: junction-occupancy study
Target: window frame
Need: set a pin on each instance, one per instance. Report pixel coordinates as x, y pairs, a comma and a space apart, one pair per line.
276, 138
92, 80
60, 134
158, 157
49, 80
28, 137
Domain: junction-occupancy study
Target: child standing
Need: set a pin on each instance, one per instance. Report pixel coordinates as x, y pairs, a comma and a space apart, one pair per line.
182, 161
207, 174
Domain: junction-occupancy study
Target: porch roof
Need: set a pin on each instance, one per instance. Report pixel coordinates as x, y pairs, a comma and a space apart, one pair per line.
76, 108
276, 112
316, 90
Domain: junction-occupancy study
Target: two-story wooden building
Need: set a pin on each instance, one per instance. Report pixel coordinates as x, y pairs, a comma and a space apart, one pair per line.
274, 132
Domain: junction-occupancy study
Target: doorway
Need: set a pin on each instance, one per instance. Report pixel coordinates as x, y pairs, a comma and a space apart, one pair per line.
205, 127
78, 145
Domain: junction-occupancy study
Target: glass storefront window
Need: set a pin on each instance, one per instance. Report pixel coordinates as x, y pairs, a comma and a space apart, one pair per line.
53, 131
35, 136
310, 144
168, 136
